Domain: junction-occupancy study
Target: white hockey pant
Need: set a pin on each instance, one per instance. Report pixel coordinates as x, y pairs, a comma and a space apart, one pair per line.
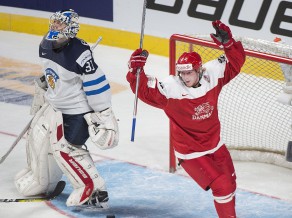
42, 173
76, 164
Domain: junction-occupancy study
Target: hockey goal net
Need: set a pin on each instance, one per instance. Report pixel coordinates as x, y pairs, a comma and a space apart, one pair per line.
254, 125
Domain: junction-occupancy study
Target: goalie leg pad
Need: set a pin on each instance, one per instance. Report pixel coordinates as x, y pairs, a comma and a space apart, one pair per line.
77, 164
42, 173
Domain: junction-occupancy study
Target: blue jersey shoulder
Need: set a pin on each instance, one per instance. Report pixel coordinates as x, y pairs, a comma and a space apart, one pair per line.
67, 57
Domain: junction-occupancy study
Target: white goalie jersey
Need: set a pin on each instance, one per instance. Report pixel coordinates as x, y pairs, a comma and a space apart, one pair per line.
75, 82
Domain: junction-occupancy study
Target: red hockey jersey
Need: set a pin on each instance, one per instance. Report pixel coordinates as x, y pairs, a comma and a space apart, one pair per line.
193, 111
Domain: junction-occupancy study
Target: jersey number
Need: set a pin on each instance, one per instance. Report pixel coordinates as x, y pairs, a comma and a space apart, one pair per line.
89, 66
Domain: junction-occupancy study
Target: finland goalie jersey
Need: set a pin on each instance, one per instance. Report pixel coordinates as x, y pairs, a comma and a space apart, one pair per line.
76, 84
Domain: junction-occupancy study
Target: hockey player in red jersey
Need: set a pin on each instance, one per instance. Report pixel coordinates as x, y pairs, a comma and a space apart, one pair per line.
190, 100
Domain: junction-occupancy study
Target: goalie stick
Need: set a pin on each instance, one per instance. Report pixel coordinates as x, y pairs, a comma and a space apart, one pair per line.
96, 43
57, 191
16, 141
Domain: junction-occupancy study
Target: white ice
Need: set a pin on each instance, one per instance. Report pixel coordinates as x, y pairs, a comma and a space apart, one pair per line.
151, 140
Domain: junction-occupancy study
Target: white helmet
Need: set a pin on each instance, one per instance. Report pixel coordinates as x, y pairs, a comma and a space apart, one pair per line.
67, 17
63, 26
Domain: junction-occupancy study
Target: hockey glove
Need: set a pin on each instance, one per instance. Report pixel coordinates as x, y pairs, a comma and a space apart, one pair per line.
137, 60
223, 36
103, 128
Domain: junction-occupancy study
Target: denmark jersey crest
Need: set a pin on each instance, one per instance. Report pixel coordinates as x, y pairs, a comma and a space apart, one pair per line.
203, 111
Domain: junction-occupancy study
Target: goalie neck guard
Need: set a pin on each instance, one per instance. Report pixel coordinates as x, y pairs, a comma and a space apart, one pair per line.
63, 25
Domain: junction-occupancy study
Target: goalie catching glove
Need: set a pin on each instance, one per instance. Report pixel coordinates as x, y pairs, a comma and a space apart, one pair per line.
103, 128
223, 36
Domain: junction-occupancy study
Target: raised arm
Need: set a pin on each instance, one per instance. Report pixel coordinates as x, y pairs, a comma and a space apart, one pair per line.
148, 91
233, 50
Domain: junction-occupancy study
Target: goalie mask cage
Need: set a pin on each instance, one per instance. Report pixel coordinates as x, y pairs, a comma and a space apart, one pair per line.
254, 125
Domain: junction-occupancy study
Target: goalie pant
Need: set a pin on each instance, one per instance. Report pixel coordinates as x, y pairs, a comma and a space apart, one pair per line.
49, 156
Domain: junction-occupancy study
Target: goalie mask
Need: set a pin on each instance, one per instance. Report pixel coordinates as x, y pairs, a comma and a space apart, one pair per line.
63, 26
189, 61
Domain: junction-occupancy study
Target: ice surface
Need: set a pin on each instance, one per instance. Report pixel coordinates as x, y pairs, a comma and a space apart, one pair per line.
263, 190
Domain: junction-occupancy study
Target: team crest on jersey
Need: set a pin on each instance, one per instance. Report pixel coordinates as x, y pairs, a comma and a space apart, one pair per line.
51, 77
203, 111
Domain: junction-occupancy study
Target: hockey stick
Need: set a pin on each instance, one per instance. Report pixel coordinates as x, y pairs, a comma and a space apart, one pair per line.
138, 72
16, 141
57, 191
96, 43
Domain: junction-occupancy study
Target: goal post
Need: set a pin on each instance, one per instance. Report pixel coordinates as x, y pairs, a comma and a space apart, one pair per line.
254, 125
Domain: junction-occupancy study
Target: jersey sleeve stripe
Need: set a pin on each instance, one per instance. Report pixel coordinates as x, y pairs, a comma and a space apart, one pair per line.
94, 82
98, 91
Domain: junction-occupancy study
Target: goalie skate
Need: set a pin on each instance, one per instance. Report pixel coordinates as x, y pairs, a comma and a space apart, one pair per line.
98, 199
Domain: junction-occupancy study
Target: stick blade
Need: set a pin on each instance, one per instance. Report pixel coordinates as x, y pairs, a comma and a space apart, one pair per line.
58, 190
